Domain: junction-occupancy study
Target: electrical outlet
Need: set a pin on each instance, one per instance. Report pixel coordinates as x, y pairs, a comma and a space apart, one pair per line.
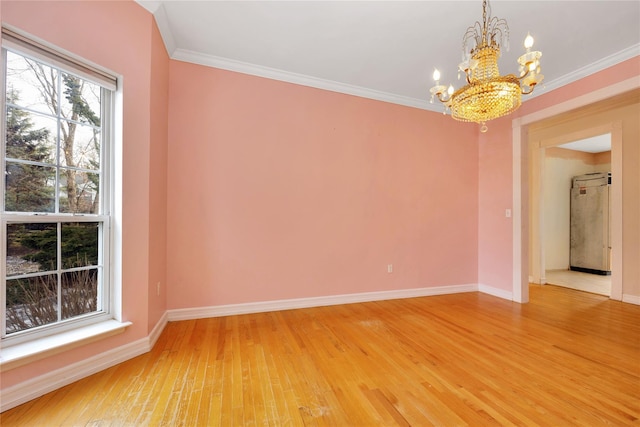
389, 268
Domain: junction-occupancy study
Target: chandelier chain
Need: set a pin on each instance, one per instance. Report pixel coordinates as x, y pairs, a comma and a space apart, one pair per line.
484, 21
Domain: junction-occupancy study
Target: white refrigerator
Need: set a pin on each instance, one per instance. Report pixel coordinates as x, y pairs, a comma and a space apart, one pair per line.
590, 229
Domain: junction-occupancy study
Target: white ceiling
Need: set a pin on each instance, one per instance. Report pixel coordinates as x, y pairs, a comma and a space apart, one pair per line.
387, 50
596, 144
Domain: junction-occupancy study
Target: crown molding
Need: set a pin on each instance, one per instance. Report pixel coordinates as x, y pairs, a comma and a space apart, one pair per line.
157, 9
299, 79
580, 73
330, 85
162, 21
150, 5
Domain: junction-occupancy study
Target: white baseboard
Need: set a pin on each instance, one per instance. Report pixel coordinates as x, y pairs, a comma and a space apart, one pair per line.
38, 386
157, 330
496, 292
289, 304
631, 299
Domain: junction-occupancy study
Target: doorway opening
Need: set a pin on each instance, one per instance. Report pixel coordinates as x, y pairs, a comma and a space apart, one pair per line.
576, 211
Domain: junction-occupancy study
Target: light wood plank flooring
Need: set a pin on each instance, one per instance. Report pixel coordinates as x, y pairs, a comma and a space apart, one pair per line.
567, 358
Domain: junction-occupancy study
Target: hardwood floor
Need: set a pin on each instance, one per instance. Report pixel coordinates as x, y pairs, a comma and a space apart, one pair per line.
566, 358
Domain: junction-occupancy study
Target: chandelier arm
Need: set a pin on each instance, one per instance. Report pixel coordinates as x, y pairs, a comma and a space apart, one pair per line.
441, 99
492, 28
526, 73
500, 28
473, 32
529, 91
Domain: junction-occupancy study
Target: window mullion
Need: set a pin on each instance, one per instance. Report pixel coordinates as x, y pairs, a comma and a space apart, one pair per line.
3, 96
3, 277
56, 190
59, 269
3, 224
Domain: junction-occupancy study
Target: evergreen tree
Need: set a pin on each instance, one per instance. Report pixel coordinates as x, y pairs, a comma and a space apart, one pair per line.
82, 112
28, 187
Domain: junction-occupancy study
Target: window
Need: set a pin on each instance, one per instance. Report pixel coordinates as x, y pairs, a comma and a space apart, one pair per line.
56, 194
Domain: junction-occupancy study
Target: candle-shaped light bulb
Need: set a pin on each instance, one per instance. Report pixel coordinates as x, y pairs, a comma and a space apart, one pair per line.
528, 42
450, 90
436, 74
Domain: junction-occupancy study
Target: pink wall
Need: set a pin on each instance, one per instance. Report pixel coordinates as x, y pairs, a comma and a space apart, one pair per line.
159, 106
494, 196
279, 191
87, 29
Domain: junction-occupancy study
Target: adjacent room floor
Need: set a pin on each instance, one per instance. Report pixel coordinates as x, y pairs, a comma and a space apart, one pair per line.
593, 283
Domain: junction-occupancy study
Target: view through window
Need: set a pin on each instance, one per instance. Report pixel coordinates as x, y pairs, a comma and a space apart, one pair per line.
55, 201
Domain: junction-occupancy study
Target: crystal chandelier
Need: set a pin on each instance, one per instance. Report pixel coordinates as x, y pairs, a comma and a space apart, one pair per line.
488, 95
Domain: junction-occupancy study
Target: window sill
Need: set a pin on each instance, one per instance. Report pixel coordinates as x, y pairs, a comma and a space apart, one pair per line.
24, 353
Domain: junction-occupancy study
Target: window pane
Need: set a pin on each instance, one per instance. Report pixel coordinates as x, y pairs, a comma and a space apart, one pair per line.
79, 292
29, 188
31, 84
79, 244
80, 146
79, 191
31, 302
31, 248
30, 136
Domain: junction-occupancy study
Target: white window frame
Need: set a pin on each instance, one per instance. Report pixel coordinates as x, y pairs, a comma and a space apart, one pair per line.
20, 347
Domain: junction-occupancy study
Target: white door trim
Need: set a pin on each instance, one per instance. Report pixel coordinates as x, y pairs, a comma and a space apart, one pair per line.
521, 187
